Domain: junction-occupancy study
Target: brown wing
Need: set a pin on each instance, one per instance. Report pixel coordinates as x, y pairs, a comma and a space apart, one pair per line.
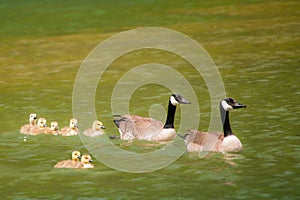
139, 127
205, 141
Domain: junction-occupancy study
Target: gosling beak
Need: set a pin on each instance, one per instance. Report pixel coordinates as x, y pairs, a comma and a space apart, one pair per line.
90, 160
79, 157
238, 105
102, 127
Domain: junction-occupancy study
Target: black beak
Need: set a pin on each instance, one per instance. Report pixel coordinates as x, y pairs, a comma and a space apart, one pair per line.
182, 100
238, 105
102, 127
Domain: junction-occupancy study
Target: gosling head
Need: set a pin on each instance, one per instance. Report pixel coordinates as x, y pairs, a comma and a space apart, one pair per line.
177, 99
41, 123
32, 119
54, 126
86, 159
76, 156
231, 103
98, 125
73, 123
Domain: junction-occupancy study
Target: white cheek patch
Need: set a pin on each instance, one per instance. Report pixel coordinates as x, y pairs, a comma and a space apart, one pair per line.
173, 101
226, 106
32, 116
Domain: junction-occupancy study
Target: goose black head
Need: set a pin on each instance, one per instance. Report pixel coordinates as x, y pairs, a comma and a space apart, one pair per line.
177, 99
231, 103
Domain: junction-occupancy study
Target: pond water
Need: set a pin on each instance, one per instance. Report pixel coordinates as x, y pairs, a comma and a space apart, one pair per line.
255, 45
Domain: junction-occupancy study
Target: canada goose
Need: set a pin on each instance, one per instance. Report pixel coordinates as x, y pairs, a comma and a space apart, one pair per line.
85, 162
71, 129
96, 130
222, 142
141, 128
40, 128
54, 129
70, 163
25, 129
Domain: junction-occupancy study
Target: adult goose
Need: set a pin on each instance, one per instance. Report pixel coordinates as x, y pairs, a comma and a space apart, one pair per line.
197, 141
142, 128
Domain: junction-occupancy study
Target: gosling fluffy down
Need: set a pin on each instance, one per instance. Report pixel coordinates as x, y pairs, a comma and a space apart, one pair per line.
70, 163
72, 129
96, 130
25, 129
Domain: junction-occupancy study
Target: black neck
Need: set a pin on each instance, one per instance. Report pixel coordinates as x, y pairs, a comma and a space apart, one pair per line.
170, 117
225, 121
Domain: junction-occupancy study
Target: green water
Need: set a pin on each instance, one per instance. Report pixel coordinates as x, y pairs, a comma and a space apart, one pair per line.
255, 45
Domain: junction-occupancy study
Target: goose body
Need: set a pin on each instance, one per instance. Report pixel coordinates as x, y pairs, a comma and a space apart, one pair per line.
41, 127
197, 141
54, 130
25, 129
141, 128
85, 162
70, 163
96, 130
71, 129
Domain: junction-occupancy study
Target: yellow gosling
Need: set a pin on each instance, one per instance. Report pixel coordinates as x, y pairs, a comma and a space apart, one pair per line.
41, 127
70, 163
96, 130
71, 129
25, 129
86, 162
